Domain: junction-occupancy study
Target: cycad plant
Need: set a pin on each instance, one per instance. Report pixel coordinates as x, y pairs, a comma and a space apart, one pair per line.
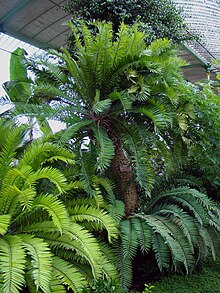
115, 92
47, 242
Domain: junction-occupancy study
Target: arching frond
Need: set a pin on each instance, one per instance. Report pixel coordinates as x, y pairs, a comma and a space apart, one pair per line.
67, 274
92, 214
53, 175
55, 209
75, 238
108, 262
41, 152
106, 149
161, 250
41, 261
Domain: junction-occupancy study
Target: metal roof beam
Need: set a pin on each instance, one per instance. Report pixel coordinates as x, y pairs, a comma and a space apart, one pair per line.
203, 62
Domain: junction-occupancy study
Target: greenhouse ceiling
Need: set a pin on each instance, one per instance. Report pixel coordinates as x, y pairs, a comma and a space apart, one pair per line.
37, 22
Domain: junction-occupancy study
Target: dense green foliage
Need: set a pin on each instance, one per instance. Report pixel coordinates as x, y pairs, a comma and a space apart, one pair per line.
136, 128
160, 19
44, 241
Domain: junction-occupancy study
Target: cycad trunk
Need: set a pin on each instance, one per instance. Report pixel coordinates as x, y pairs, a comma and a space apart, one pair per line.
122, 170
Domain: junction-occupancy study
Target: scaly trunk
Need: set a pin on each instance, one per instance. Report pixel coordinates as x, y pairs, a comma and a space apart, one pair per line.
123, 173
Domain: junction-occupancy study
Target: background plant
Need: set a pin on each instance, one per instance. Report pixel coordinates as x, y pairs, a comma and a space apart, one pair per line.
160, 19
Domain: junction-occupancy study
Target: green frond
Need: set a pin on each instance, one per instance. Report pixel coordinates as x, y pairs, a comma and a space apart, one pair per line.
68, 274
106, 149
124, 266
53, 175
74, 238
71, 131
55, 209
30, 282
161, 250
57, 74
12, 264
9, 199
13, 138
16, 188
124, 97
102, 106
164, 151
41, 261
208, 240
40, 152
88, 244
129, 239
181, 243
184, 198
97, 195
117, 210
4, 223
82, 200
87, 170
47, 91
182, 219
93, 214
140, 159
105, 183
168, 231
143, 233
158, 114
56, 285
108, 262
79, 263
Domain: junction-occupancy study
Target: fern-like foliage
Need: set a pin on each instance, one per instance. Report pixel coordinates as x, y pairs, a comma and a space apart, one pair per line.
180, 225
48, 242
106, 81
